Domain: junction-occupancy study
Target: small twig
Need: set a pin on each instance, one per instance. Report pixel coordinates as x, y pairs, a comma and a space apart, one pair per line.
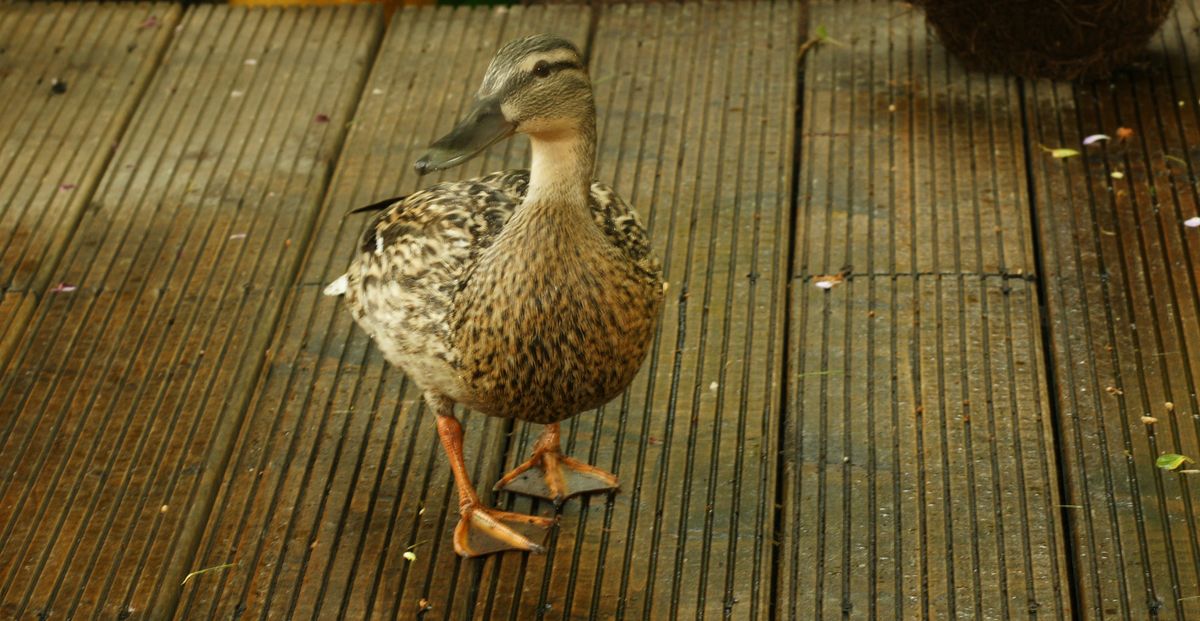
820, 36
205, 570
807, 45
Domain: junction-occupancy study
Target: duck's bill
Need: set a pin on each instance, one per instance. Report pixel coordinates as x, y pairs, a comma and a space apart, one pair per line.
483, 127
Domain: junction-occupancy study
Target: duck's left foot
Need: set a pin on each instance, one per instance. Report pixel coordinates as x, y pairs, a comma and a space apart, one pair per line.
551, 475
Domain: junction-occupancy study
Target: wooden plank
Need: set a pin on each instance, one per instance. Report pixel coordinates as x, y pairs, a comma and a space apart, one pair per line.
918, 480
912, 166
339, 470
1124, 307
697, 105
124, 397
54, 146
919, 472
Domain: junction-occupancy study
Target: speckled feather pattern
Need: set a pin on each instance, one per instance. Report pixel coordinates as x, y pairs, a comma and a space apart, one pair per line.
539, 330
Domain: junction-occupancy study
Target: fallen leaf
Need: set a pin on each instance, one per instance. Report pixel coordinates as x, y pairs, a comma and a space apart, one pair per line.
828, 281
321, 118
149, 22
1149, 420
67, 186
238, 236
1116, 174
1177, 160
1171, 461
1094, 138
1059, 153
251, 62
1124, 133
409, 556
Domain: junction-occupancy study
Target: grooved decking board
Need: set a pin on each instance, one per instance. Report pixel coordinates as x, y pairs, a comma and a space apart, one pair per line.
917, 481
697, 108
53, 147
1124, 305
919, 474
338, 469
911, 165
121, 403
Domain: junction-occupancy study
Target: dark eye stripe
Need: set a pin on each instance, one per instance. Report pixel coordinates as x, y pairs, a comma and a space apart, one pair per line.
562, 64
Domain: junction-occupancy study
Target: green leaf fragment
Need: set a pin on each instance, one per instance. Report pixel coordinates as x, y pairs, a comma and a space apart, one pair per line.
1171, 461
822, 33
1059, 153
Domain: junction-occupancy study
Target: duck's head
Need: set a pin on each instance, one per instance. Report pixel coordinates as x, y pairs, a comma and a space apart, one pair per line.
537, 85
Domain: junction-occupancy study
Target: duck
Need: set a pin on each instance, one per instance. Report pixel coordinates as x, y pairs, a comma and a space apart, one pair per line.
531, 295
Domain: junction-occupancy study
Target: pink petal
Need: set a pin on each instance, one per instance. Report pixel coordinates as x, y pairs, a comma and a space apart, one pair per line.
63, 287
67, 186
238, 236
1094, 138
1193, 222
149, 22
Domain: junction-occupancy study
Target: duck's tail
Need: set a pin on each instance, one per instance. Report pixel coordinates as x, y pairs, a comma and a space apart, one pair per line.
337, 287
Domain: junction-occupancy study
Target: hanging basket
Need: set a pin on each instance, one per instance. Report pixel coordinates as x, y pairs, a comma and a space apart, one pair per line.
1062, 39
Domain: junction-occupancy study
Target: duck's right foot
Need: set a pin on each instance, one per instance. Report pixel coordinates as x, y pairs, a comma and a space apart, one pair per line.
485, 531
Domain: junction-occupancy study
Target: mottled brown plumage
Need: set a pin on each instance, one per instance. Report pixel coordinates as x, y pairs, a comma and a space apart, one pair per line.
522, 294
553, 322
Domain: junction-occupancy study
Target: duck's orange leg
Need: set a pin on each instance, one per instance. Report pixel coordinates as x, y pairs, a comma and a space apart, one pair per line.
551, 475
482, 530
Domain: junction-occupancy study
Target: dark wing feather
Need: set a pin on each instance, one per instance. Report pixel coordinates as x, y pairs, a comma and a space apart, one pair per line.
383, 204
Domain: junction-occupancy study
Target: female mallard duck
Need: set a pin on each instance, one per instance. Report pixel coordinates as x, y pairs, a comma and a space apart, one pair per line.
521, 294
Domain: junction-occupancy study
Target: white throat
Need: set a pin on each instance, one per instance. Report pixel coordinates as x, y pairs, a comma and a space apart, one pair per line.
561, 170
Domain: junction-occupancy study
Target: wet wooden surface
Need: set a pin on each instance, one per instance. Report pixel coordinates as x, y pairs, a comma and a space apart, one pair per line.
954, 429
70, 77
120, 401
1121, 271
918, 444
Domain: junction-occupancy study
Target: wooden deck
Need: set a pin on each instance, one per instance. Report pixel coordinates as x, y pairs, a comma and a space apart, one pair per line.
955, 431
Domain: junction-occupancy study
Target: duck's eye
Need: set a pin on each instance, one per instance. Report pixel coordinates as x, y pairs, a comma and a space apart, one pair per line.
541, 69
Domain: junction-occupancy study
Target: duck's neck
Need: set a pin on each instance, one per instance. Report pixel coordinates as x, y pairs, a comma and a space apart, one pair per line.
560, 179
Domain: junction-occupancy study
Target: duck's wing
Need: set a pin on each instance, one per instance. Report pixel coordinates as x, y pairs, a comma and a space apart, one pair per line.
614, 216
622, 226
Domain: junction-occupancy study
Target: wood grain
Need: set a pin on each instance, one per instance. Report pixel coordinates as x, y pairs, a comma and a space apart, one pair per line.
123, 395
1124, 309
